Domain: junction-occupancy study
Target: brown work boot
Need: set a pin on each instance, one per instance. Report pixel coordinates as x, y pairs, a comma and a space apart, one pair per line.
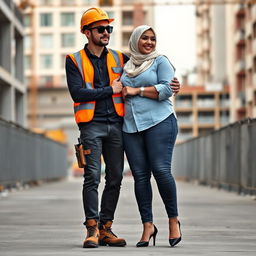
92, 238
107, 237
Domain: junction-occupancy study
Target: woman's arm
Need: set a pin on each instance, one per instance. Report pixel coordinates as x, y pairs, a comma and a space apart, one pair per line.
165, 73
149, 92
160, 91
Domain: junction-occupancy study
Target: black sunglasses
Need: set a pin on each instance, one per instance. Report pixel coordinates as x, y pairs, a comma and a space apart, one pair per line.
101, 29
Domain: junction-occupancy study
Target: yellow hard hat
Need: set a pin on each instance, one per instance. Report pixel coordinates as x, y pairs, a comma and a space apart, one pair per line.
93, 15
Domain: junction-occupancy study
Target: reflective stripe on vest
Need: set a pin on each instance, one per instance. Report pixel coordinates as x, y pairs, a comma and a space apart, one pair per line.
84, 111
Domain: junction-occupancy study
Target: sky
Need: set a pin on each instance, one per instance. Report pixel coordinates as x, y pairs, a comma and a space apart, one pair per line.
175, 29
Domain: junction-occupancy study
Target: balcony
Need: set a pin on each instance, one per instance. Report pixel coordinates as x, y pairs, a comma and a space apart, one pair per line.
240, 35
185, 120
248, 29
128, 2
241, 98
183, 104
184, 136
240, 66
254, 80
199, 30
209, 120
206, 65
206, 44
240, 9
249, 61
224, 119
249, 94
254, 12
254, 46
224, 103
206, 103
205, 25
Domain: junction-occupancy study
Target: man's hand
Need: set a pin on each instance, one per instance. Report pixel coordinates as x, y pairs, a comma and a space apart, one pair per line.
117, 86
127, 90
175, 85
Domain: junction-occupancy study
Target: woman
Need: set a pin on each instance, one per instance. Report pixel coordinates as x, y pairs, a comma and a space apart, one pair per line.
150, 130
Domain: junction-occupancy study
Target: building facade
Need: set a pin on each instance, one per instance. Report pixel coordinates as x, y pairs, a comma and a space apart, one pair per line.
200, 110
244, 64
12, 87
52, 31
226, 53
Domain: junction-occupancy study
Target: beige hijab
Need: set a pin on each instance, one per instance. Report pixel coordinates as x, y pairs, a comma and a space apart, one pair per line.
139, 62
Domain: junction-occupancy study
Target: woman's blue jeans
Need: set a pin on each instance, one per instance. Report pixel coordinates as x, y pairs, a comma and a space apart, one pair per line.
150, 151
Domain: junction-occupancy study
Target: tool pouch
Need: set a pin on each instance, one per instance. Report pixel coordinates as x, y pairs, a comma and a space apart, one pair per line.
80, 154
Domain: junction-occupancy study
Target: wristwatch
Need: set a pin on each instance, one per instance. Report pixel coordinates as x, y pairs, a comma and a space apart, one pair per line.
142, 91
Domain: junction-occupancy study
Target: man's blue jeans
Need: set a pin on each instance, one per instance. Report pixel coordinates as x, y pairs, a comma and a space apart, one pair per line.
102, 139
150, 151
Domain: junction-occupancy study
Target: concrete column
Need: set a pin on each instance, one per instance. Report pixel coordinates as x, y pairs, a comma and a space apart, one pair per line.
218, 53
19, 108
19, 69
5, 46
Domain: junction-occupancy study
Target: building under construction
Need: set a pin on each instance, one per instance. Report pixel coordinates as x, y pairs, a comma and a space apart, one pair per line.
12, 86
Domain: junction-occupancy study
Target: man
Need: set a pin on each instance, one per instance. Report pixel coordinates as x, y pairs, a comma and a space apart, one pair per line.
93, 81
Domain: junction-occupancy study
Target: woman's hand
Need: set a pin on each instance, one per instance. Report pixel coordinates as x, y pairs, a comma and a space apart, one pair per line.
130, 91
175, 85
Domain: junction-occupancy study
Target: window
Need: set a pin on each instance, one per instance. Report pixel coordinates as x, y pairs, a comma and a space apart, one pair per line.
185, 118
224, 100
128, 1
63, 81
67, 2
254, 30
45, 81
27, 20
46, 41
27, 62
206, 101
62, 60
206, 117
127, 19
28, 42
254, 64
67, 40
224, 117
205, 131
185, 134
106, 2
27, 80
45, 19
110, 14
45, 2
240, 51
91, 2
183, 101
46, 61
67, 19
126, 37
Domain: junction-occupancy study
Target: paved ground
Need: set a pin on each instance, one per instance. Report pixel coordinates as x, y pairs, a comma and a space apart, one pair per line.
46, 220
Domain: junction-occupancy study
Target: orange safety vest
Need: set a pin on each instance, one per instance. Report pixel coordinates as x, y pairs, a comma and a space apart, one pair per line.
84, 111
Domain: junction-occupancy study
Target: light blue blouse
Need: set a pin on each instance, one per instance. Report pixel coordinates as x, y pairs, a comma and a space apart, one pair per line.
142, 113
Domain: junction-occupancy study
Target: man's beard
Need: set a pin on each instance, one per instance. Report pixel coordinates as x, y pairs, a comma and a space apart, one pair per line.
98, 42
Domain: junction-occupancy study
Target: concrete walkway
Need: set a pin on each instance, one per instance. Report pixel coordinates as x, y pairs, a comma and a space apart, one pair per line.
47, 220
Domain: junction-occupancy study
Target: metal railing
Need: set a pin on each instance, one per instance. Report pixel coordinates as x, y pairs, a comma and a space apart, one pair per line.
27, 157
223, 158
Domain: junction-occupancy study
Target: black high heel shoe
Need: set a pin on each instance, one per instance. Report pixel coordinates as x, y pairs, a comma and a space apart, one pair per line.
146, 243
175, 241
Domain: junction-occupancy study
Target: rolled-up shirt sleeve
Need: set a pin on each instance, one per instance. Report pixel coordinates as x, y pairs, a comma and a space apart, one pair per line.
165, 73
